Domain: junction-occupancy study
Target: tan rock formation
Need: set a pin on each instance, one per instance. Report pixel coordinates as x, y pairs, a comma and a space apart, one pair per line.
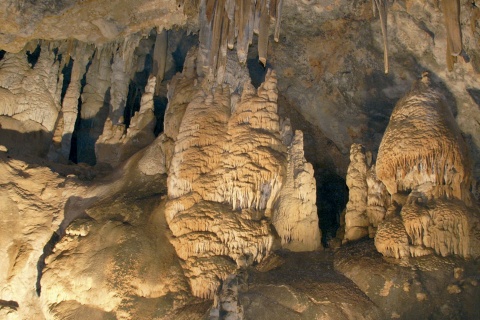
32, 207
423, 155
432, 149
29, 98
226, 178
94, 21
356, 219
117, 144
295, 215
378, 200
226, 22
79, 55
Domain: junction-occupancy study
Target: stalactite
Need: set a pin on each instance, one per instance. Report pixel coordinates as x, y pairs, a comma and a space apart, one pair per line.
451, 10
160, 58
381, 5
263, 33
278, 15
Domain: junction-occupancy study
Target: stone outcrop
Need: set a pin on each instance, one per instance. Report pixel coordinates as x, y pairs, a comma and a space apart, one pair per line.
95, 22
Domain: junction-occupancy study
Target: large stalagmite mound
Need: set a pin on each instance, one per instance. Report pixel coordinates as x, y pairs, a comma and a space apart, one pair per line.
425, 167
235, 177
422, 144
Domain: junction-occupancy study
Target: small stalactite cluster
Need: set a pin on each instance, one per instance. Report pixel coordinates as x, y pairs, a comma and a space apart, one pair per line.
226, 22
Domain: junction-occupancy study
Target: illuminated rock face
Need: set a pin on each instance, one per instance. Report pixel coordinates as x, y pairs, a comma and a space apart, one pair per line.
423, 163
34, 202
231, 178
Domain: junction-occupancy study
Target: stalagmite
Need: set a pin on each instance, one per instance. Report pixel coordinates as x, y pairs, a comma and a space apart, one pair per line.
295, 216
29, 99
356, 219
432, 148
122, 72
19, 81
96, 100
226, 177
424, 165
69, 112
378, 200
391, 239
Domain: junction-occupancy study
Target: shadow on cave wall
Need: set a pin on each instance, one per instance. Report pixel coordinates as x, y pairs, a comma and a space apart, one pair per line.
34, 143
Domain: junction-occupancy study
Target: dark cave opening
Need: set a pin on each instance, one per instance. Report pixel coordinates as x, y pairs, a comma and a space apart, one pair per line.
160, 106
2, 54
256, 69
74, 140
185, 43
332, 197
32, 57
134, 99
67, 76
179, 44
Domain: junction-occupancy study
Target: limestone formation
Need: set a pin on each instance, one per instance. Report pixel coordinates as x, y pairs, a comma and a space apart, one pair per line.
30, 96
117, 144
140, 179
378, 200
451, 10
33, 205
221, 22
381, 6
424, 165
230, 175
79, 54
432, 149
295, 214
356, 219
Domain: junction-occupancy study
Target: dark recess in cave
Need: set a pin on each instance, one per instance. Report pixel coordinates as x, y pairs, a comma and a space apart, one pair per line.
332, 197
74, 141
67, 76
32, 57
179, 43
134, 98
185, 43
2, 54
256, 70
136, 88
160, 105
